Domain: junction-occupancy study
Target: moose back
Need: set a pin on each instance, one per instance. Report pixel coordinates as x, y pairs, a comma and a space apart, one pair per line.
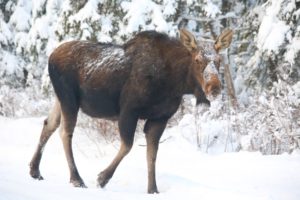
143, 79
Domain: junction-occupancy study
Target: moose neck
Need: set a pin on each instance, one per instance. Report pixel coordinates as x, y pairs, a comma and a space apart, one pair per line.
190, 82
193, 87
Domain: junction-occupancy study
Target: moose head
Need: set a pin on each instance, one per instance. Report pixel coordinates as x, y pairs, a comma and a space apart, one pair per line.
206, 60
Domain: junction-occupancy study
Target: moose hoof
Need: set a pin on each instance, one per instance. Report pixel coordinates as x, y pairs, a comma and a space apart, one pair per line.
153, 191
78, 183
36, 174
102, 180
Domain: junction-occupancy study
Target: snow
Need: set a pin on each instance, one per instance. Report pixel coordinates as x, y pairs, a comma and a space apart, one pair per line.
87, 12
37, 7
21, 16
136, 13
293, 49
141, 11
9, 64
110, 59
297, 88
272, 31
211, 9
183, 172
5, 34
106, 24
210, 71
169, 7
191, 163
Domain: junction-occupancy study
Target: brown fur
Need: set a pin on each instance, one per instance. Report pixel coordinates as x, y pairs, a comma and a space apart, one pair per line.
143, 79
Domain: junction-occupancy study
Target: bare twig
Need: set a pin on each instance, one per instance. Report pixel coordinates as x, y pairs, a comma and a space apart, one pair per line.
162, 141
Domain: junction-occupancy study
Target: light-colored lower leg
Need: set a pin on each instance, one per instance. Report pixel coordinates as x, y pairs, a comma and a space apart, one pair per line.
106, 174
153, 130
152, 148
67, 127
127, 126
50, 125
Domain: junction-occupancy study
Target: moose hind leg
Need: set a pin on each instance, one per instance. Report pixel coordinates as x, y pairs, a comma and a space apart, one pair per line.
68, 122
50, 125
153, 130
127, 126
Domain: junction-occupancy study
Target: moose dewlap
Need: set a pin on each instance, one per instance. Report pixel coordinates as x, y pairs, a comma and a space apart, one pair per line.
145, 78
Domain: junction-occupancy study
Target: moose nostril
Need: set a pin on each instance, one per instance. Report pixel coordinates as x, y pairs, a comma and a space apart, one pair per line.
215, 91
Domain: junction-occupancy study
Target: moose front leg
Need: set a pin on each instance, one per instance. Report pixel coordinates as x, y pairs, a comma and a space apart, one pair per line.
127, 125
153, 130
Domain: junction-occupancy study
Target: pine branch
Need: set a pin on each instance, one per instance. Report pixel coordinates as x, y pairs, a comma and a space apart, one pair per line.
208, 19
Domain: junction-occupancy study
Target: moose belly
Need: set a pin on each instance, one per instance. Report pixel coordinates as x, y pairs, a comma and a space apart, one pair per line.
100, 104
163, 109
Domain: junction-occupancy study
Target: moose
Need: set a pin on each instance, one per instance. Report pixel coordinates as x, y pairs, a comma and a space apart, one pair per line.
145, 78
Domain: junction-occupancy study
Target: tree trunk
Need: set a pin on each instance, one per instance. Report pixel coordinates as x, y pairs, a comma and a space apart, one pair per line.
230, 86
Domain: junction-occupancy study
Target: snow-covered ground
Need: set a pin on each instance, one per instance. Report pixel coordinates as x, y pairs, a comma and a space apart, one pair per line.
183, 172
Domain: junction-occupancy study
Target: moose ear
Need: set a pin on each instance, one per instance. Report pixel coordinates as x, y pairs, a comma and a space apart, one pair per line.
224, 39
188, 40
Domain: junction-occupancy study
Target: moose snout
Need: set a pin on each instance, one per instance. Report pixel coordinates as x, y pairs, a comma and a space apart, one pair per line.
213, 90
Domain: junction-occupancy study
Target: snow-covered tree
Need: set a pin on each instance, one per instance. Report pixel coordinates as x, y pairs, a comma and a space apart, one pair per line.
264, 59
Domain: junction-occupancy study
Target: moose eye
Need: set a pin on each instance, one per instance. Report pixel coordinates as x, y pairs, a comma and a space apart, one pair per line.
198, 59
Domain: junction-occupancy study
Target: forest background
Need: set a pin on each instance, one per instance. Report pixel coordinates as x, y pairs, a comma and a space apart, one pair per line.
260, 111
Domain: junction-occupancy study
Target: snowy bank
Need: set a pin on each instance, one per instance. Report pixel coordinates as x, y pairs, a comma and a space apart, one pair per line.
182, 171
